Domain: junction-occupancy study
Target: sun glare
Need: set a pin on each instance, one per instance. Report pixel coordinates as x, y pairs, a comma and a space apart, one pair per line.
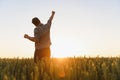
61, 55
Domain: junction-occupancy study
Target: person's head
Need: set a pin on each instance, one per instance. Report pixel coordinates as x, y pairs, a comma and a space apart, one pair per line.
36, 21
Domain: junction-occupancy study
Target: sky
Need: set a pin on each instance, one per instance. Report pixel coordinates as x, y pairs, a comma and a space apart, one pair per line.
79, 28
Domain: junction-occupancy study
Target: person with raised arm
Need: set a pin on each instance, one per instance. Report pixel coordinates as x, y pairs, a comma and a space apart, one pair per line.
41, 38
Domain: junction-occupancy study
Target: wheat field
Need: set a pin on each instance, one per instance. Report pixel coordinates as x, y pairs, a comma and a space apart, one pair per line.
76, 68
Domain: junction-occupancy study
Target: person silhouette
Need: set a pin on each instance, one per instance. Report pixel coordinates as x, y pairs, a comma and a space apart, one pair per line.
41, 38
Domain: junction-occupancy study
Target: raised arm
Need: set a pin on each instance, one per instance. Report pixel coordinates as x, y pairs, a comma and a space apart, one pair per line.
51, 17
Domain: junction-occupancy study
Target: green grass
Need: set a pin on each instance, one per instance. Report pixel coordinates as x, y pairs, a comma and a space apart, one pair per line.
80, 68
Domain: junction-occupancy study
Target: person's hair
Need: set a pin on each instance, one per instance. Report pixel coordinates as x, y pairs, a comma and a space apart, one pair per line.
35, 21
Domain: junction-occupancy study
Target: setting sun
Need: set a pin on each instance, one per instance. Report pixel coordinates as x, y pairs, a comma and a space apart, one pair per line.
61, 55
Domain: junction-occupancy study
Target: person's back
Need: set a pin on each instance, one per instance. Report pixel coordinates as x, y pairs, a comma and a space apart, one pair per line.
44, 36
41, 38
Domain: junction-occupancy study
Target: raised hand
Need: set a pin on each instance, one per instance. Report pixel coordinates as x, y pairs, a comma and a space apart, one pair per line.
53, 12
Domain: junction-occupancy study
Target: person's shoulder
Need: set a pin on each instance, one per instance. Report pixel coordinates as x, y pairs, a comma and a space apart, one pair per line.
36, 29
48, 23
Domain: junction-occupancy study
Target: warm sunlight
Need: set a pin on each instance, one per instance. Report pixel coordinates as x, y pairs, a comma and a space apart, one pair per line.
63, 55
59, 39
60, 55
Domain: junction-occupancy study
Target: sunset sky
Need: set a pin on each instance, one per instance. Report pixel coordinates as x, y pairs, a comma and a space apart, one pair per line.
80, 27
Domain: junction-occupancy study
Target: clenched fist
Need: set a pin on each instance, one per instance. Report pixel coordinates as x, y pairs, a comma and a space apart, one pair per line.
26, 36
53, 12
